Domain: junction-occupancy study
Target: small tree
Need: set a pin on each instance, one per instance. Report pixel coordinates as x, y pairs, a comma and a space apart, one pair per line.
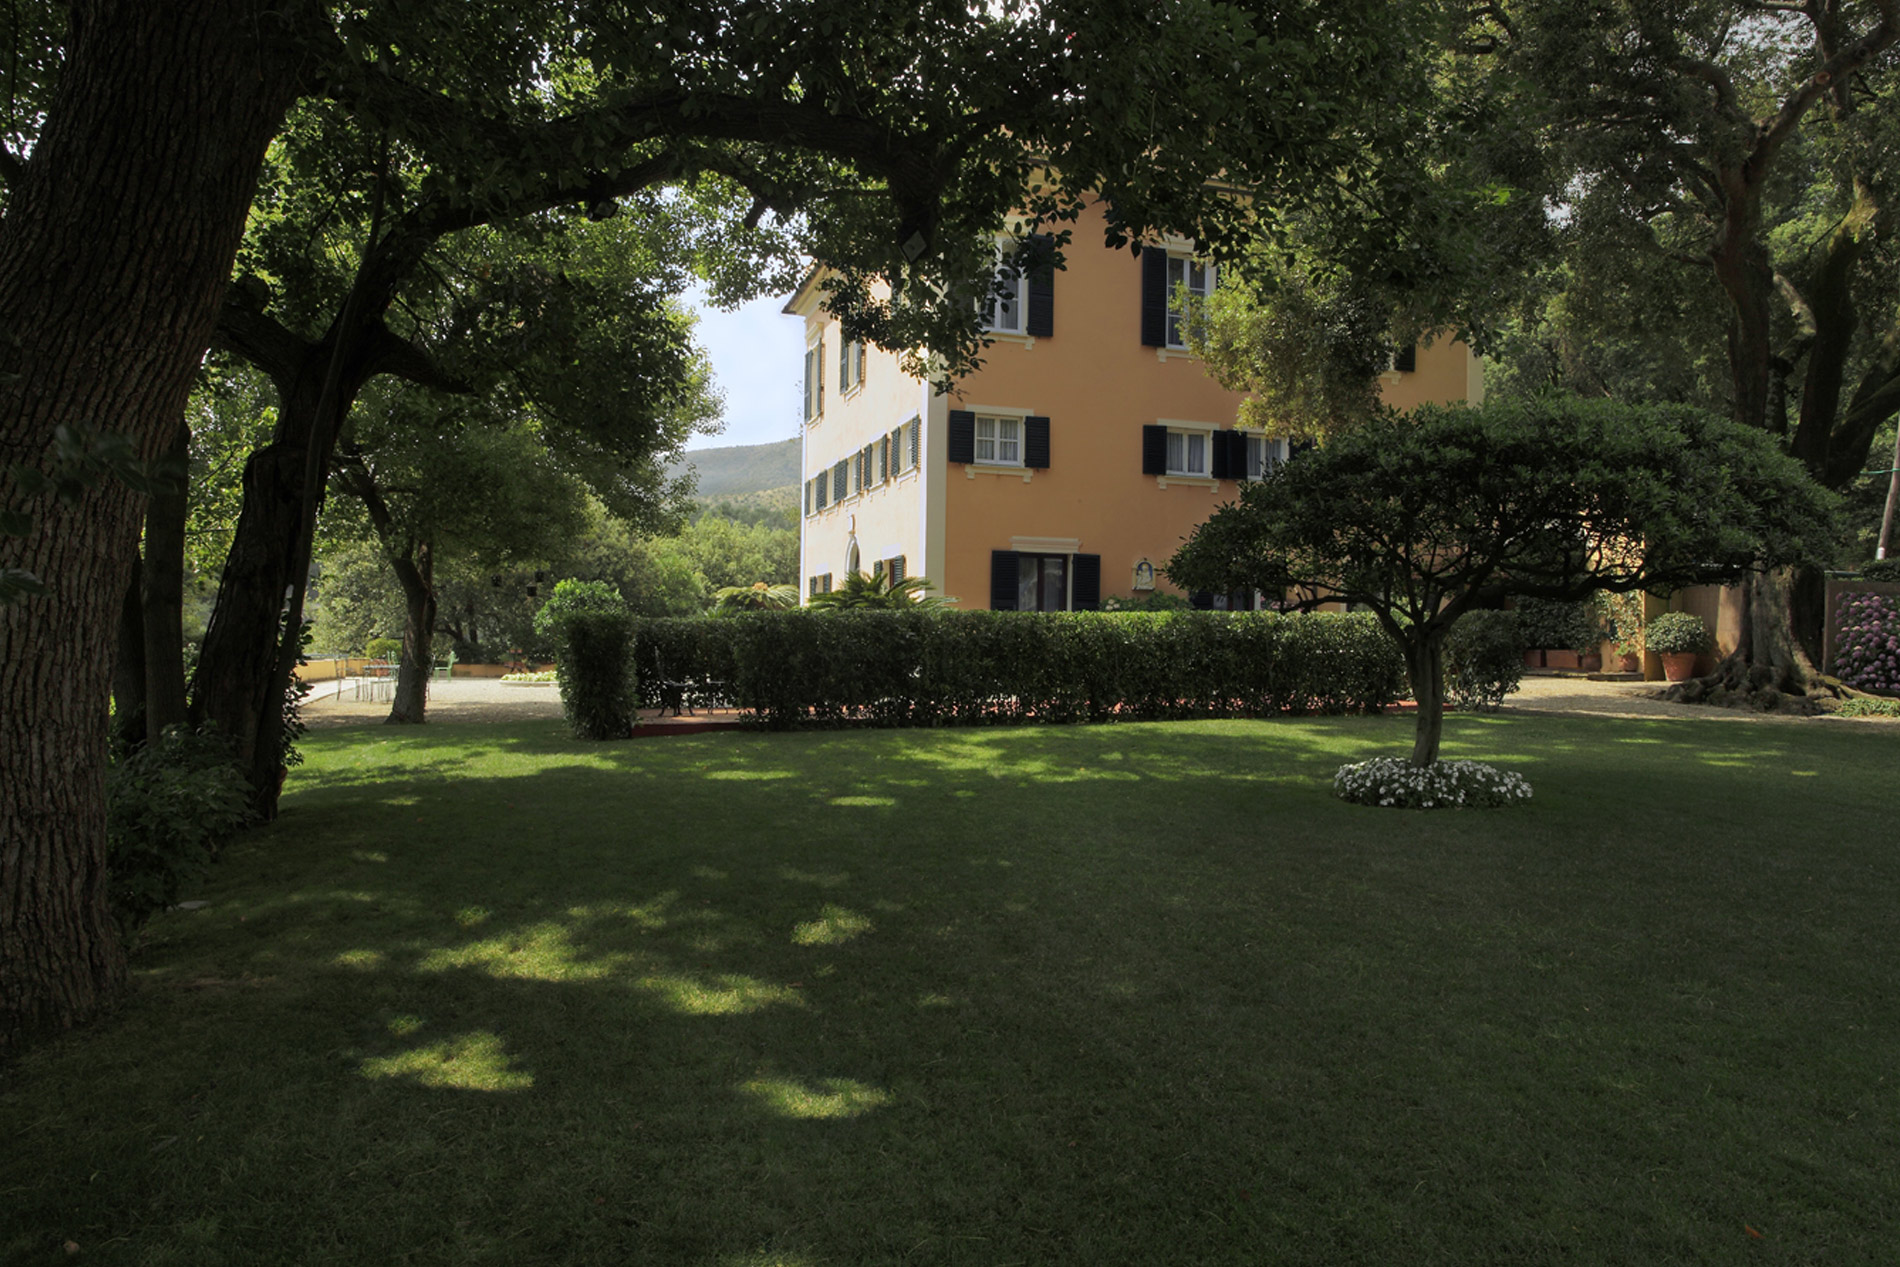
1423, 517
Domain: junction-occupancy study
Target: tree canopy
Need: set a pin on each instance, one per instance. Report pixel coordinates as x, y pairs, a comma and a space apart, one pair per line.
1422, 517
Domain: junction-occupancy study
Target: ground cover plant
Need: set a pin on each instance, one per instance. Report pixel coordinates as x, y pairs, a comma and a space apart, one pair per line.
1124, 994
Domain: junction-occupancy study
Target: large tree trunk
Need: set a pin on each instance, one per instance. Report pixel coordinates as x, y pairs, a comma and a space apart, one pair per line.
114, 252
162, 594
1425, 670
128, 669
240, 680
418, 635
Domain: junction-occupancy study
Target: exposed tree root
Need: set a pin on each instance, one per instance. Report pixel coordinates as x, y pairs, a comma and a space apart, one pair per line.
1760, 688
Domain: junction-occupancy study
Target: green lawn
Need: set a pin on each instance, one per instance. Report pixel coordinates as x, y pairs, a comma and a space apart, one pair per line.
1112, 995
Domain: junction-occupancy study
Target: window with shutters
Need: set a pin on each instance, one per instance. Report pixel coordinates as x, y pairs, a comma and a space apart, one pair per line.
895, 567
1036, 581
1190, 281
841, 480
821, 489
999, 441
883, 459
1003, 307
815, 381
1187, 452
850, 365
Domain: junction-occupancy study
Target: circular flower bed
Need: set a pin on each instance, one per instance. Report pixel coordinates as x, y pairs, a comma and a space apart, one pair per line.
1396, 782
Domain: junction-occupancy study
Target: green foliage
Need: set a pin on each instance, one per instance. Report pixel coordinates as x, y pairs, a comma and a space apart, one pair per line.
920, 668
1622, 616
1677, 633
170, 806
593, 658
576, 598
1149, 601
757, 596
863, 592
1423, 517
1880, 570
382, 648
1867, 706
1560, 624
738, 470
1484, 659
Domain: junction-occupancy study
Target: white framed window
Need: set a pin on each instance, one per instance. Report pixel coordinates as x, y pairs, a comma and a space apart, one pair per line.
1264, 455
1004, 305
999, 441
1187, 452
1198, 278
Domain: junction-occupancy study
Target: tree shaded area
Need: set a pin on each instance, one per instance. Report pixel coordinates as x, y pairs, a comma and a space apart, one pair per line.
795, 998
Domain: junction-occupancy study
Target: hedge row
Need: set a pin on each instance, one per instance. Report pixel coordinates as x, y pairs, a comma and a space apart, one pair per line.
789, 669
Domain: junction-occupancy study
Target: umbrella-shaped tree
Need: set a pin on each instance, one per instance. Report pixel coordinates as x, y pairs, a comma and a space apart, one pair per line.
1422, 517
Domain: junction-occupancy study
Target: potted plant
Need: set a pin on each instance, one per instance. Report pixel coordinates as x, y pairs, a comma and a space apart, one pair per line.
1677, 637
1622, 615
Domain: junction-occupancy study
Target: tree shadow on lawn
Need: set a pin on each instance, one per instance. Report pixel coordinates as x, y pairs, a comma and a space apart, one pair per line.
1115, 994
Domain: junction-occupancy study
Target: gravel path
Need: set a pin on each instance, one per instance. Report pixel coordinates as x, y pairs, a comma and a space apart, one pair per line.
458, 699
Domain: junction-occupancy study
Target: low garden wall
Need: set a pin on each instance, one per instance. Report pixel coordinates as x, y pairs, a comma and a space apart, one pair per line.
792, 669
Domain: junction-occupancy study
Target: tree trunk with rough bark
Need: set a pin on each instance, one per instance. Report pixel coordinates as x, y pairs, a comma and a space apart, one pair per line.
239, 684
418, 635
1425, 670
128, 669
162, 594
114, 252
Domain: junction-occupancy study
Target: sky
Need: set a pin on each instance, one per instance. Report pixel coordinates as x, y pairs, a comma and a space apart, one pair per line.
758, 357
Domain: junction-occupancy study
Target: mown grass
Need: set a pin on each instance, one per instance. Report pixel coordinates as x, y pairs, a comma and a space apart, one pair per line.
1127, 994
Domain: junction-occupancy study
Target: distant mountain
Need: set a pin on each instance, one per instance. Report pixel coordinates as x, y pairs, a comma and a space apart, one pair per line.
734, 470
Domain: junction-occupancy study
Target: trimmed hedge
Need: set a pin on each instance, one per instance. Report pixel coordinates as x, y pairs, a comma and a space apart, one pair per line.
798, 668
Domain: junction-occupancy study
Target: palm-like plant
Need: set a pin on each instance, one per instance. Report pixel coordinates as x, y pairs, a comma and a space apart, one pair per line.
758, 596
862, 591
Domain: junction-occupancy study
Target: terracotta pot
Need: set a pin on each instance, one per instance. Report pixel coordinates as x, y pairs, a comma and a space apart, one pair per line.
1629, 662
1559, 659
1591, 663
1533, 659
1678, 666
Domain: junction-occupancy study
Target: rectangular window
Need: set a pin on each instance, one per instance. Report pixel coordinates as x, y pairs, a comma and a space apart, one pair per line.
1187, 453
822, 486
850, 365
841, 480
999, 441
1042, 582
1002, 307
814, 381
1264, 455
1198, 277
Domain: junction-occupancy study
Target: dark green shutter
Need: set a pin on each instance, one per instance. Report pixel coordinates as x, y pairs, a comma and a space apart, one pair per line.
1087, 582
1154, 450
1154, 297
877, 569
1041, 321
1406, 360
897, 569
916, 438
1004, 573
1036, 443
962, 435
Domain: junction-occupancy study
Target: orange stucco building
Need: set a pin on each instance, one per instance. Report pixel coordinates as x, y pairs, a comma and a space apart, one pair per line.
1070, 466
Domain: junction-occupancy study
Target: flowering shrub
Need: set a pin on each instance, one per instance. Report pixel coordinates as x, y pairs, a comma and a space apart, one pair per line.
1867, 644
1396, 782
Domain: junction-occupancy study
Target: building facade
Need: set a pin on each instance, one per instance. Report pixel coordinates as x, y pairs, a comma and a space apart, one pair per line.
1070, 466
